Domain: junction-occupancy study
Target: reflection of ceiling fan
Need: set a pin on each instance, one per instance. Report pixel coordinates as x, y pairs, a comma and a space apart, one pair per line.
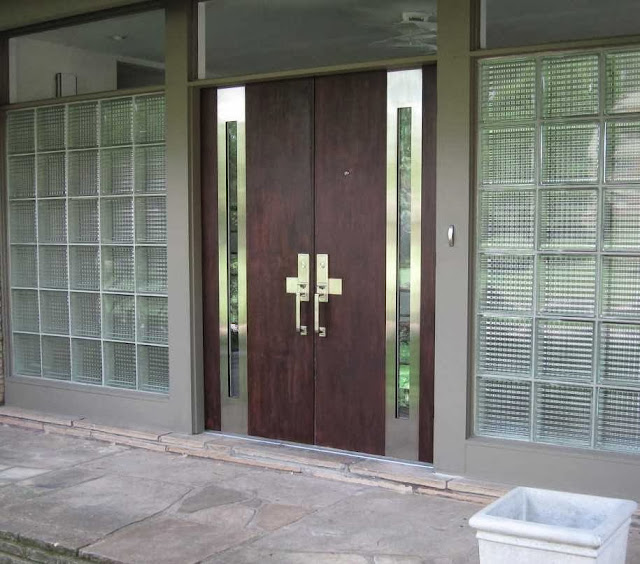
415, 29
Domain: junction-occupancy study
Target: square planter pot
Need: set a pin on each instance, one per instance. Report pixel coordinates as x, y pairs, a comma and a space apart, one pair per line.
532, 526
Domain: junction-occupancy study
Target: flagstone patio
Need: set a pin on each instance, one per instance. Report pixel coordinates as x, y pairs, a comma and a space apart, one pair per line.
72, 499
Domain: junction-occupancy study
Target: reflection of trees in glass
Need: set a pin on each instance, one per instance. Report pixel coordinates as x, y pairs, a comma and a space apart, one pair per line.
232, 256
404, 261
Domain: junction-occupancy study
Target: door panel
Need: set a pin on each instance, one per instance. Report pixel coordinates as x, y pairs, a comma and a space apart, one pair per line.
428, 264
350, 207
209, 211
279, 117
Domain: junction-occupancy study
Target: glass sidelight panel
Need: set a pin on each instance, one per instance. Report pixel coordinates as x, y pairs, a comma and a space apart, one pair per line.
88, 260
403, 315
558, 262
404, 171
232, 257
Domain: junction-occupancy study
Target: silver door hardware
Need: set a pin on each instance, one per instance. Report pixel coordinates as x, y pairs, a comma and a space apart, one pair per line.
299, 285
325, 287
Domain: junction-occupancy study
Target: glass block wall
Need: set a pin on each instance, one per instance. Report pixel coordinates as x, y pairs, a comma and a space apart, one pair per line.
88, 242
557, 332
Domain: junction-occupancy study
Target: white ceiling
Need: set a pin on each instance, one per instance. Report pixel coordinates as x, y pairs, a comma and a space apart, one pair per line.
144, 36
249, 36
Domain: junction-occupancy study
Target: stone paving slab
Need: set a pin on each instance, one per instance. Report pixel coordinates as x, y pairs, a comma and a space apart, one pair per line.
109, 504
323, 463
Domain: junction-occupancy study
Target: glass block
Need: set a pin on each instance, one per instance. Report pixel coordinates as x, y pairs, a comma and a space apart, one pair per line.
564, 350
153, 369
24, 266
567, 284
570, 153
50, 128
507, 219
26, 355
24, 311
51, 175
53, 267
568, 220
621, 286
118, 316
119, 365
85, 268
151, 270
570, 85
151, 219
149, 121
20, 132
83, 125
504, 345
623, 82
56, 358
52, 221
85, 315
83, 173
506, 282
54, 312
619, 354
621, 220
151, 169
117, 220
22, 217
618, 421
507, 155
508, 90
84, 225
153, 320
503, 409
118, 269
115, 122
563, 414
87, 361
22, 176
622, 162
116, 171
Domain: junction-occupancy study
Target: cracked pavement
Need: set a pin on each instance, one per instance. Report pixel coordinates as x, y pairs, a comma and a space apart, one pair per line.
131, 505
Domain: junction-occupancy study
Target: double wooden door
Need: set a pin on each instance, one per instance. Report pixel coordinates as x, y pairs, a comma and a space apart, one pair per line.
316, 197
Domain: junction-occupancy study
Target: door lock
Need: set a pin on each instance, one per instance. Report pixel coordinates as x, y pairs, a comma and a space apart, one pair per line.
300, 287
325, 287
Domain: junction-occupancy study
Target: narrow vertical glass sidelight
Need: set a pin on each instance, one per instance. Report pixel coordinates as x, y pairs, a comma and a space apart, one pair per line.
403, 307
232, 258
404, 185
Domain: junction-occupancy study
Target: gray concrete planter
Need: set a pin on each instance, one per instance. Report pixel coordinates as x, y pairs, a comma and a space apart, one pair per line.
532, 526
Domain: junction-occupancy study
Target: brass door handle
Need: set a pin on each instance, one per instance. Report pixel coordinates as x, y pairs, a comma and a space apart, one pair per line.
300, 287
325, 286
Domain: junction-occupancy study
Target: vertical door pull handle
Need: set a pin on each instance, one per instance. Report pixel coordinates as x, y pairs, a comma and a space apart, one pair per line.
325, 286
320, 331
299, 285
451, 235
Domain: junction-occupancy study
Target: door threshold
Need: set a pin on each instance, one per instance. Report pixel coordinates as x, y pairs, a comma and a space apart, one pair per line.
320, 449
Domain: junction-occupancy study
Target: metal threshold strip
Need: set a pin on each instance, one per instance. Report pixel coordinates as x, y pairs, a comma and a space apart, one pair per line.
320, 449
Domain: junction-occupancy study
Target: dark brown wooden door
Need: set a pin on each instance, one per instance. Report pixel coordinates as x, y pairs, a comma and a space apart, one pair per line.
350, 214
279, 117
346, 401
316, 184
